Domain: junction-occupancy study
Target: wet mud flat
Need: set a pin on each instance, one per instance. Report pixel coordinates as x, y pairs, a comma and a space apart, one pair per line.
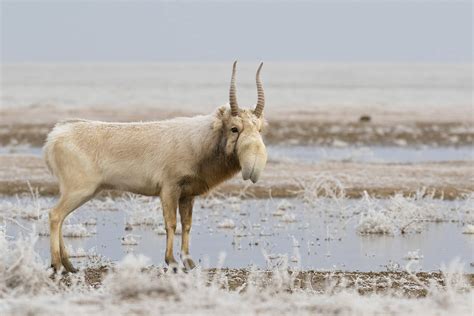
327, 126
306, 132
402, 283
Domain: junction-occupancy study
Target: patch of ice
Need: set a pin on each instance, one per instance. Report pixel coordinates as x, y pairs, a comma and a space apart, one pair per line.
285, 205
400, 142
160, 230
90, 222
278, 213
226, 224
413, 255
240, 233
289, 218
138, 219
75, 230
263, 233
129, 240
79, 252
469, 229
339, 143
275, 256
235, 207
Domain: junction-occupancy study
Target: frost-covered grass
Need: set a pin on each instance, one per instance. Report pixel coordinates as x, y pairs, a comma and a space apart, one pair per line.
401, 215
29, 206
469, 229
132, 287
80, 252
141, 210
398, 214
130, 240
226, 223
244, 228
413, 255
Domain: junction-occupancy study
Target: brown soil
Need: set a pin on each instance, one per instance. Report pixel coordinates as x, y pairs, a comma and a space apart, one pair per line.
307, 133
294, 127
403, 283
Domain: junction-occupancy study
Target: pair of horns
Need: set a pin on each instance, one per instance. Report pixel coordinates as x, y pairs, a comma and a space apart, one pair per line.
234, 107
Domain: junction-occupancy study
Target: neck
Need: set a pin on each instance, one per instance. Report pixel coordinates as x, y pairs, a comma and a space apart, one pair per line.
216, 166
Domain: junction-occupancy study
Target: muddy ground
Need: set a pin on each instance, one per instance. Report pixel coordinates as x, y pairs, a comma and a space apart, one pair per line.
325, 128
400, 282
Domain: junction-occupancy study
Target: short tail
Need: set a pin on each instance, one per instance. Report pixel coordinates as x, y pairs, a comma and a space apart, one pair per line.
59, 129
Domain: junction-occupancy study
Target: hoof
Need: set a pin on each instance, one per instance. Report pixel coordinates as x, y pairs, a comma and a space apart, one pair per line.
56, 269
72, 270
63, 270
68, 265
173, 267
189, 264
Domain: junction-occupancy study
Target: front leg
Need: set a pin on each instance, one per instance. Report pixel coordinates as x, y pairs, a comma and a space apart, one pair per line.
186, 213
169, 200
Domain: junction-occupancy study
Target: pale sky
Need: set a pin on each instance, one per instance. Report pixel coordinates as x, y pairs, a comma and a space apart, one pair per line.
339, 31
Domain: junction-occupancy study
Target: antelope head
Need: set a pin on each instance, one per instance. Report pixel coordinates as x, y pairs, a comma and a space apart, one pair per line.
243, 128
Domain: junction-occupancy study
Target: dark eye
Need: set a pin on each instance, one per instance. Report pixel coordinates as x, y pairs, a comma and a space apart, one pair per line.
234, 130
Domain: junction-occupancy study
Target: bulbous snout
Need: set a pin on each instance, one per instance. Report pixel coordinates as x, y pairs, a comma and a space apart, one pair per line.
252, 157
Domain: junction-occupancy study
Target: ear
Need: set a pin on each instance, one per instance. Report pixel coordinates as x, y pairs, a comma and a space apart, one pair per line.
264, 126
219, 117
220, 111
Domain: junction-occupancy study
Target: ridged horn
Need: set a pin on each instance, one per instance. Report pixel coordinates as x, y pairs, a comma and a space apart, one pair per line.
234, 107
261, 96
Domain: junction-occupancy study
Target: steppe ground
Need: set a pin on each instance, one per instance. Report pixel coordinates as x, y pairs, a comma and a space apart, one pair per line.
130, 288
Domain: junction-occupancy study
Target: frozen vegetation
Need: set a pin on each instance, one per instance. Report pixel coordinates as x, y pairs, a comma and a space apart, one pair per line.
130, 240
469, 229
226, 223
413, 255
133, 287
319, 223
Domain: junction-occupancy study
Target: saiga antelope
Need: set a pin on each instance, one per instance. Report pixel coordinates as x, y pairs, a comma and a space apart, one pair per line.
175, 159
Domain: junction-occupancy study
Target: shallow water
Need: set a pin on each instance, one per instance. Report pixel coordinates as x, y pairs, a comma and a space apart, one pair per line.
21, 149
385, 154
309, 154
321, 237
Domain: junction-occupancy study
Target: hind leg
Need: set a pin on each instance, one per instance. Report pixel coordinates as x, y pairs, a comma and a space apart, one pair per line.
68, 202
64, 255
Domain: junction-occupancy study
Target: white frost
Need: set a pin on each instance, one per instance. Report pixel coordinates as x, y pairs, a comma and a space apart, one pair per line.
469, 229
413, 255
129, 240
226, 223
